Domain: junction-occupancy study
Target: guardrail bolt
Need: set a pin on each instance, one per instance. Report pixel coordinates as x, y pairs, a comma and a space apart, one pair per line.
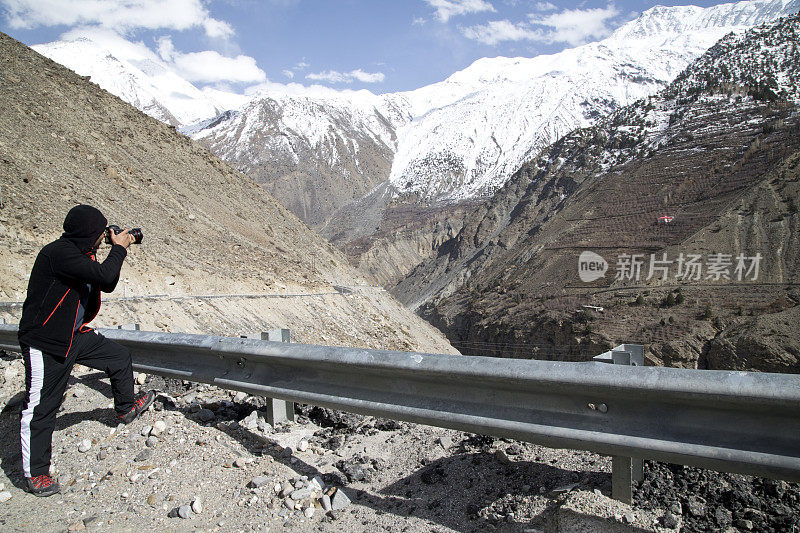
603, 408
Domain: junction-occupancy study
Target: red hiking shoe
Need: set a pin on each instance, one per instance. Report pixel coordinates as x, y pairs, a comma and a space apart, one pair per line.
141, 404
43, 485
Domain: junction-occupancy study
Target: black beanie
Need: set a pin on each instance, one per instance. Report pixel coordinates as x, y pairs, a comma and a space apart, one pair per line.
83, 225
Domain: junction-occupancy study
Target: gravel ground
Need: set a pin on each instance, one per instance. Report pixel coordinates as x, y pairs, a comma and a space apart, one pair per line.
208, 455
712, 501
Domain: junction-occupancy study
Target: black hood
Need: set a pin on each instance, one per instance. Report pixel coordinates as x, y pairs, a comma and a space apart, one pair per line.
83, 225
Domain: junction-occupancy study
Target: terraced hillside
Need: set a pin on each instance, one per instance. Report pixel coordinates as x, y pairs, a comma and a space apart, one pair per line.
718, 150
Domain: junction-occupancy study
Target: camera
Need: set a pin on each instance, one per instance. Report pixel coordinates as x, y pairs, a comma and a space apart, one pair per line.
136, 233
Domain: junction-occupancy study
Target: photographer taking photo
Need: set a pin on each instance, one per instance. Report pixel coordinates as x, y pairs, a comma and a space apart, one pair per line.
63, 296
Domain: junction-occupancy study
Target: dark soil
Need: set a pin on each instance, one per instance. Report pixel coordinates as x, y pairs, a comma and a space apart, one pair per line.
713, 501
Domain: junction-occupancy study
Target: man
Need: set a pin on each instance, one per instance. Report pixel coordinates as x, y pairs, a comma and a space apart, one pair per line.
63, 296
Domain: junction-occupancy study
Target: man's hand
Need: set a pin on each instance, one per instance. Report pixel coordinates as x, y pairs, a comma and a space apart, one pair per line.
123, 238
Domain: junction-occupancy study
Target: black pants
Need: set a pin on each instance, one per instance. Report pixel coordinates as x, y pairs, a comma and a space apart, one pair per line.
46, 378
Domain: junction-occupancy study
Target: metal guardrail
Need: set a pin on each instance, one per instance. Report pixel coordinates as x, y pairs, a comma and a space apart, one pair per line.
744, 422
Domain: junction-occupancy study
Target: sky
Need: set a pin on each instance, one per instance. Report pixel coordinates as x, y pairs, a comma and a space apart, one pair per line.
379, 45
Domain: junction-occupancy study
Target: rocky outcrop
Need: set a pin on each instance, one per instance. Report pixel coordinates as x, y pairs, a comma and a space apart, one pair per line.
766, 343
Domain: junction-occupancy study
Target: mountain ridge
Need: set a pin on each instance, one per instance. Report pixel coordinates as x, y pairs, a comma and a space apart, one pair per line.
717, 151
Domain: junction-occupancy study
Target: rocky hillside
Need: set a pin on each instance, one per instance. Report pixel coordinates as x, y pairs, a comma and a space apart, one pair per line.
314, 154
208, 229
717, 152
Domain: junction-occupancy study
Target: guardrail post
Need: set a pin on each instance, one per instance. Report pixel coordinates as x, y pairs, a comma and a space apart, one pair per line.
278, 411
624, 470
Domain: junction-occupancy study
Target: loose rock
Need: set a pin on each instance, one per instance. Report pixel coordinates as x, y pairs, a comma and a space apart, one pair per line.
84, 446
144, 455
260, 481
326, 503
158, 428
340, 500
197, 506
205, 415
5, 496
184, 511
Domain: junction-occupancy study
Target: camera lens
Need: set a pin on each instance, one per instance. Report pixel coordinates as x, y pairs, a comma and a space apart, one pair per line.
137, 235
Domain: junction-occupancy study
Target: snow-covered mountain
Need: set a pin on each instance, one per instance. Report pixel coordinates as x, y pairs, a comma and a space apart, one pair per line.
142, 80
459, 139
473, 130
314, 151
462, 138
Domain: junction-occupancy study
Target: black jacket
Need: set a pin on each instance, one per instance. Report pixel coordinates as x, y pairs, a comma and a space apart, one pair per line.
61, 270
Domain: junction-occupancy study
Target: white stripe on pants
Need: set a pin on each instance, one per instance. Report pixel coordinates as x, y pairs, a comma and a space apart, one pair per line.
34, 397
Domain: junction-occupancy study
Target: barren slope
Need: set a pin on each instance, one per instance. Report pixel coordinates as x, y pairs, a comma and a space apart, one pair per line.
208, 229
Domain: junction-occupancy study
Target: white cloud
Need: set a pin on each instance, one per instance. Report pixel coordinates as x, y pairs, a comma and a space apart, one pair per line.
274, 89
546, 6
419, 21
301, 65
334, 76
445, 9
500, 30
288, 73
209, 66
571, 26
120, 15
578, 26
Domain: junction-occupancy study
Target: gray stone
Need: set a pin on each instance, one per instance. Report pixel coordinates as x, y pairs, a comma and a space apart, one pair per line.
151, 441
696, 507
197, 506
144, 455
316, 484
629, 518
184, 511
302, 445
5, 496
744, 524
158, 428
308, 512
102, 454
286, 489
289, 503
669, 520
445, 442
300, 494
84, 446
146, 430
340, 500
258, 482
326, 502
240, 396
501, 456
205, 415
